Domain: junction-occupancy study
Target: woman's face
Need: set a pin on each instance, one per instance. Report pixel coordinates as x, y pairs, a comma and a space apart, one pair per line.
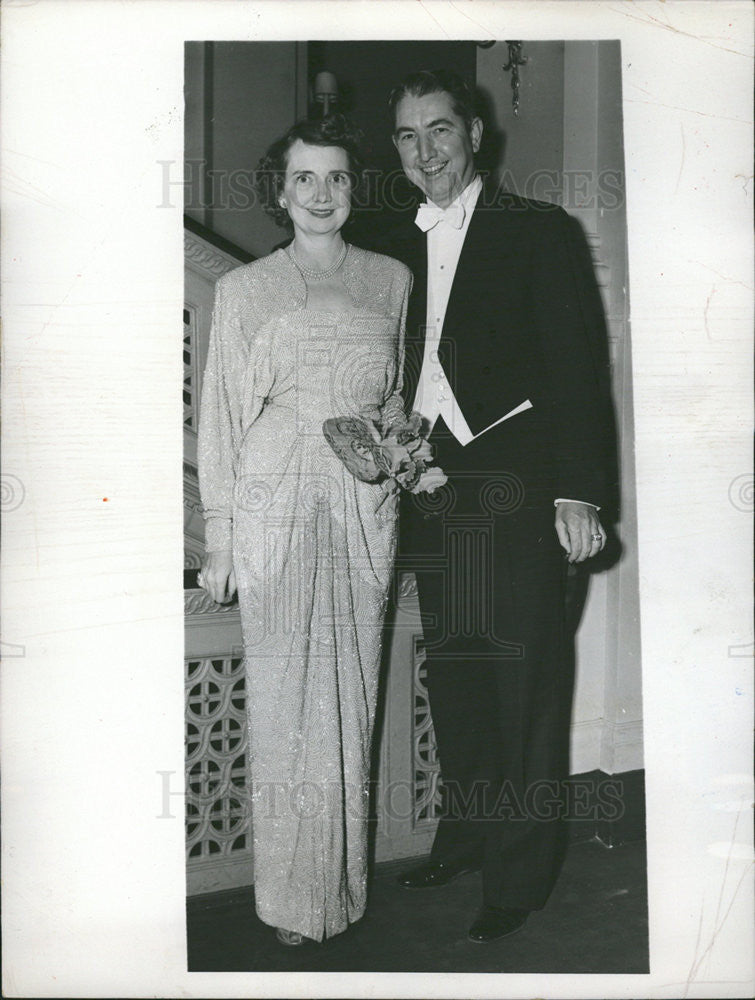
317, 188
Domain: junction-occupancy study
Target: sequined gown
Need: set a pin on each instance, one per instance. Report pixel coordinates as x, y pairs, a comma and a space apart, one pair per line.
313, 552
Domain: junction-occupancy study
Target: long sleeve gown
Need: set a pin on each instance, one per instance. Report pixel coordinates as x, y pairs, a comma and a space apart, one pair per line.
313, 553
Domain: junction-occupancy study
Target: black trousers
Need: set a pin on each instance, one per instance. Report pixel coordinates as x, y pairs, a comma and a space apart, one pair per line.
491, 578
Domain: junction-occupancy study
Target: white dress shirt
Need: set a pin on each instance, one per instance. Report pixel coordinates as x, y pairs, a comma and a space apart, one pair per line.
434, 396
444, 242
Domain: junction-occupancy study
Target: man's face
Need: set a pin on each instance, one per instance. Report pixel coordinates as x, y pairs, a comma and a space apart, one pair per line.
436, 150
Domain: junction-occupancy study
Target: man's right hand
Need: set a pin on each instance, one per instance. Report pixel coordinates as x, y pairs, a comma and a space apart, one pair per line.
217, 576
579, 530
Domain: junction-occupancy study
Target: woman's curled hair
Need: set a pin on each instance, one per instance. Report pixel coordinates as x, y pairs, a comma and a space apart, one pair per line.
270, 175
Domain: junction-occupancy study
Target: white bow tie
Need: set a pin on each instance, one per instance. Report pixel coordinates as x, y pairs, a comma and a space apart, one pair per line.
429, 215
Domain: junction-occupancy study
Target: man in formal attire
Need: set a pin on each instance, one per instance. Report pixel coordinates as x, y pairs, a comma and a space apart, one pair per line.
506, 361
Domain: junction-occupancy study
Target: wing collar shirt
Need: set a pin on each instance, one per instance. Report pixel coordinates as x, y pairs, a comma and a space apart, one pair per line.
446, 231
445, 238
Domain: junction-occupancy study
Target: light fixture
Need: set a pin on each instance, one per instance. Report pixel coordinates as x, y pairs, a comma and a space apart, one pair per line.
516, 59
326, 91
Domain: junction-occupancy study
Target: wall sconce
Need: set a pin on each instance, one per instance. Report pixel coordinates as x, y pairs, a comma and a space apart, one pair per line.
325, 90
516, 59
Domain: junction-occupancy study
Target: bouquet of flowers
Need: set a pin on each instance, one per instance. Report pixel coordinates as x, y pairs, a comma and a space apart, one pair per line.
399, 457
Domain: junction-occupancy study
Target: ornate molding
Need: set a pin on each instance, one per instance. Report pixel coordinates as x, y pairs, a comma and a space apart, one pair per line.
407, 586
199, 602
192, 498
426, 767
209, 258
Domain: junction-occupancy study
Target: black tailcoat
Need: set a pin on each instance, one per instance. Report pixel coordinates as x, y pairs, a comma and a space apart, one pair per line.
524, 322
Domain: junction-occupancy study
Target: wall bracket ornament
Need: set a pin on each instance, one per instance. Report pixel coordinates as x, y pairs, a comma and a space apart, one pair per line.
516, 59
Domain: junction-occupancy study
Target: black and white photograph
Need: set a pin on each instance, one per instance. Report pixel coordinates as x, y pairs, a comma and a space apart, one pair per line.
377, 498
386, 587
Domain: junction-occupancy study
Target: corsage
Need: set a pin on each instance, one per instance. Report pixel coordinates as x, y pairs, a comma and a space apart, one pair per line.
398, 457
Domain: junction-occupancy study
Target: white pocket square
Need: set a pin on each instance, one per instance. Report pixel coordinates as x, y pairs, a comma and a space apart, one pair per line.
526, 405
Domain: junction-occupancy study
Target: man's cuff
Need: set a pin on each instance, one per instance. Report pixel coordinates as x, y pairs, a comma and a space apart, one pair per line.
565, 500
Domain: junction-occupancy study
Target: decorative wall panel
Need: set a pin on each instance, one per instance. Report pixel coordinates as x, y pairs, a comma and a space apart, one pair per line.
427, 780
218, 804
218, 813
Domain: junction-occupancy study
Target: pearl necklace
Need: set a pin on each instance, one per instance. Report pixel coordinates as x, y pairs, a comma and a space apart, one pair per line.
311, 274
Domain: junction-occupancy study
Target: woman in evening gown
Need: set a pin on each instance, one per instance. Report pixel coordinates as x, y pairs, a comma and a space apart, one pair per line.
309, 332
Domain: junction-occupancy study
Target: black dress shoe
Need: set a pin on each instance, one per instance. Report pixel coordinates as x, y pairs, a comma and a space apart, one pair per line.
493, 922
434, 873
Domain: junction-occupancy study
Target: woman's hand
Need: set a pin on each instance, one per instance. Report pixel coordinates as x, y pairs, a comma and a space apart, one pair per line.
217, 576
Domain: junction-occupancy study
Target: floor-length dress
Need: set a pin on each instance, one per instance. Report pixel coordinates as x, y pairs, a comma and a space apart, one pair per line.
313, 553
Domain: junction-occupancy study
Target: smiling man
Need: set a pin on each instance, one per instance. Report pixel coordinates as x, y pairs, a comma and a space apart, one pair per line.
506, 361
436, 139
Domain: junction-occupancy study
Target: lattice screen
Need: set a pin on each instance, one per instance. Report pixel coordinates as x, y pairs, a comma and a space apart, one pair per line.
427, 780
218, 807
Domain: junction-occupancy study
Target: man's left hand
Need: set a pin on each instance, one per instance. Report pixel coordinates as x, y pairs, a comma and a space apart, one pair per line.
579, 530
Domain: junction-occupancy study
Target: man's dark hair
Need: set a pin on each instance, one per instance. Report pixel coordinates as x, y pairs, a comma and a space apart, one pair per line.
270, 175
435, 81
